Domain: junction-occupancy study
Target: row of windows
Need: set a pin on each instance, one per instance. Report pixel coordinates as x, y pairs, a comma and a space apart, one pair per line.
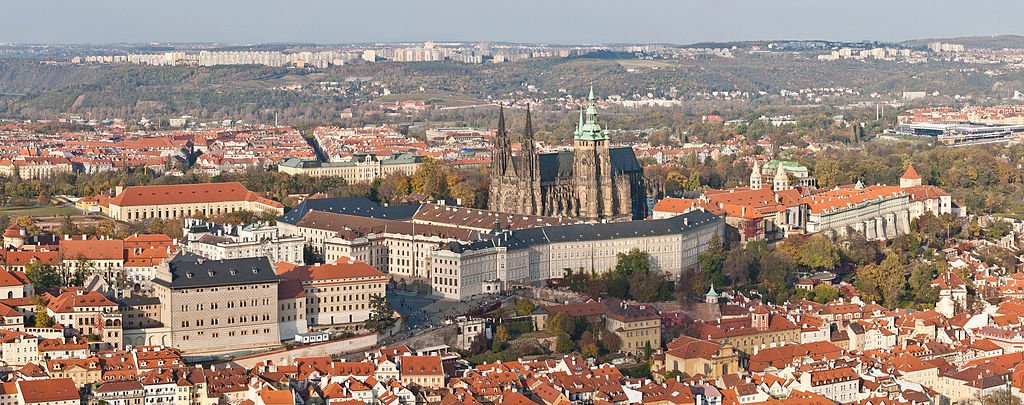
230, 304
230, 333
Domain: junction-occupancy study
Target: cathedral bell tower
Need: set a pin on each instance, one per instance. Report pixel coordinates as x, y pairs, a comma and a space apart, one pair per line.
529, 171
592, 166
502, 166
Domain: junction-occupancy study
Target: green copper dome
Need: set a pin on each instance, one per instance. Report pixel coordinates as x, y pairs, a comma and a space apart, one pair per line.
588, 129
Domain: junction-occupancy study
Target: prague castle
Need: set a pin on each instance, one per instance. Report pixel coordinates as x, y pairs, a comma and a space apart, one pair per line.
594, 182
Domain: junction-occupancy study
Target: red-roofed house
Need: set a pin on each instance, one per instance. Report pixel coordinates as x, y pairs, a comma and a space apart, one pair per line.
53, 391
694, 356
89, 312
337, 293
15, 284
422, 371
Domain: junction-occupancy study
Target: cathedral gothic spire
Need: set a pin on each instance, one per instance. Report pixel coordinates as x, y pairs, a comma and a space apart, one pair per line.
501, 119
529, 170
502, 147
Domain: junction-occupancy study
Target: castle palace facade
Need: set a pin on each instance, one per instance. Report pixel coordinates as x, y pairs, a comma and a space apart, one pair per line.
594, 182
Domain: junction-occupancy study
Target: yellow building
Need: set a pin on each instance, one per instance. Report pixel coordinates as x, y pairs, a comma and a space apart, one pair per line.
337, 293
695, 356
82, 371
362, 168
637, 326
749, 334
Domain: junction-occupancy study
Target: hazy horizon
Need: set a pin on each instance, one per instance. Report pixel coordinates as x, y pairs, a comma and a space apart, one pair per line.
527, 21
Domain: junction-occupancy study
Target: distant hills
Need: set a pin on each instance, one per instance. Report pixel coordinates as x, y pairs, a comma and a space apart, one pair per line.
987, 42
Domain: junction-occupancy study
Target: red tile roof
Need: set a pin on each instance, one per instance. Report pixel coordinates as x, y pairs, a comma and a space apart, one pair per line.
50, 390
910, 173
344, 269
92, 249
187, 194
421, 365
13, 278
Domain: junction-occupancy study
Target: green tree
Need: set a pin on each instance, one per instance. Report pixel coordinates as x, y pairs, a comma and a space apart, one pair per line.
382, 317
633, 262
859, 250
711, 260
887, 280
819, 253
525, 307
776, 267
564, 344
737, 266
827, 173
558, 323
824, 293
41, 318
43, 275
501, 336
650, 287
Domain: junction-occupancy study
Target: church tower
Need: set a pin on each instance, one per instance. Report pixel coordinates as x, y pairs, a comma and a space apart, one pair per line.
755, 177
781, 181
502, 147
592, 166
910, 178
502, 166
529, 170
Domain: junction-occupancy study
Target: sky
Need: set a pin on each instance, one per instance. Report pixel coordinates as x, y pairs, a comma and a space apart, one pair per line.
531, 21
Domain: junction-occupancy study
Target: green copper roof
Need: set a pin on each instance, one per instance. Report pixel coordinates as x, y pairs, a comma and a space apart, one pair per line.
789, 165
588, 129
711, 292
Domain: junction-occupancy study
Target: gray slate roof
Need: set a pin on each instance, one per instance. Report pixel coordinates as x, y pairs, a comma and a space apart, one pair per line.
560, 164
358, 206
193, 271
525, 238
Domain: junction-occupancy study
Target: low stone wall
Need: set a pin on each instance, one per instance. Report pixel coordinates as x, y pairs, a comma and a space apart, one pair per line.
287, 357
548, 296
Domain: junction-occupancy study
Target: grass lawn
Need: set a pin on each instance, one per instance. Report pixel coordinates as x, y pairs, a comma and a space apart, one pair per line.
37, 211
536, 335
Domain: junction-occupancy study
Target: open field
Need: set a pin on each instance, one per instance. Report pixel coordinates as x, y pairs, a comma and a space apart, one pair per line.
440, 97
37, 211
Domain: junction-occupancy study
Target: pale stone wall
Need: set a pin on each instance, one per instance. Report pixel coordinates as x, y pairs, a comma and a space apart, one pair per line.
221, 319
291, 315
341, 301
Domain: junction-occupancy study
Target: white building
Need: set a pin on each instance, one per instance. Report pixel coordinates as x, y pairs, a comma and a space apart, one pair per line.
536, 254
218, 242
